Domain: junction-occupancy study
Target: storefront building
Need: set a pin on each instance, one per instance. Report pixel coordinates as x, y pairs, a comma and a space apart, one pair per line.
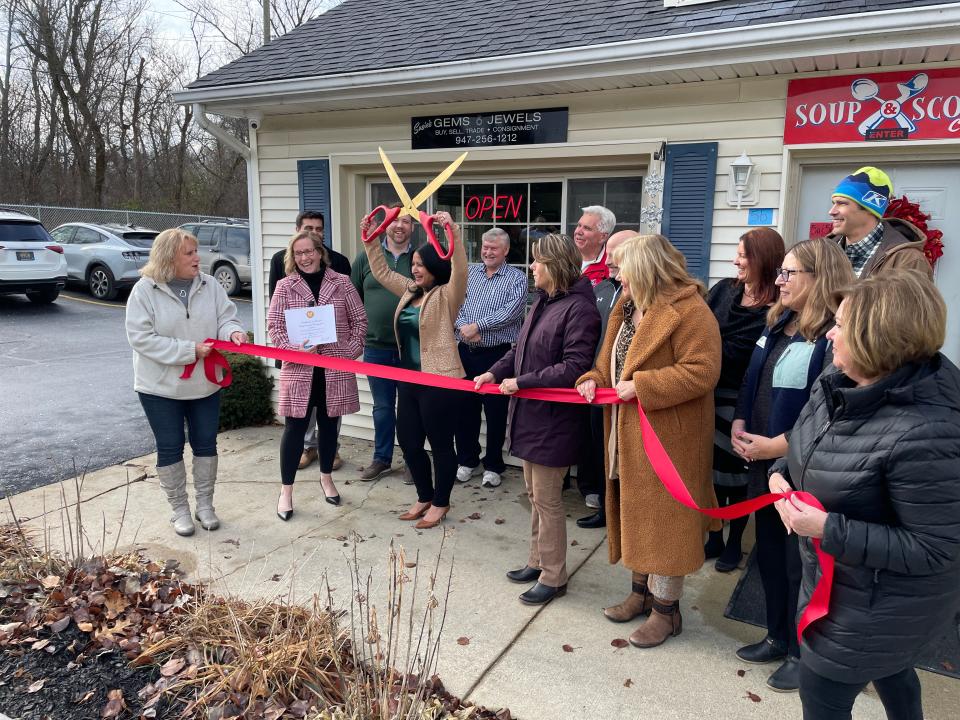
659, 121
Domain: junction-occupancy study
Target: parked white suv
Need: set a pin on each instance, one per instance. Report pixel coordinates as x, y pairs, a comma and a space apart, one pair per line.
30, 261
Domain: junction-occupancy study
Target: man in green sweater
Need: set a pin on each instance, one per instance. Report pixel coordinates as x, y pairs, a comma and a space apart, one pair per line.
381, 344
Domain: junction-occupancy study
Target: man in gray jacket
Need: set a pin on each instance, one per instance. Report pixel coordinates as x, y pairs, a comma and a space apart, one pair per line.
591, 477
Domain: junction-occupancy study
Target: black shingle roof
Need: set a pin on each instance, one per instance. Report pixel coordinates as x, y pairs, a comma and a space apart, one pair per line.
361, 35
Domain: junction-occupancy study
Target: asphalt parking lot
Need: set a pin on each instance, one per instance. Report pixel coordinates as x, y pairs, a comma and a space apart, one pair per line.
66, 389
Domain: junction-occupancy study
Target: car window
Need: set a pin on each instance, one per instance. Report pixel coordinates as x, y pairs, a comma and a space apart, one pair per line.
238, 238
206, 236
86, 236
15, 231
63, 235
140, 238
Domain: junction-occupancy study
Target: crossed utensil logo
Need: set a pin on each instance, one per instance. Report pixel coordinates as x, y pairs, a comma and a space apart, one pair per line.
864, 89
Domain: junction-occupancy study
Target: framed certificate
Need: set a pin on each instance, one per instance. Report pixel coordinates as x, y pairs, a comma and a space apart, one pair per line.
311, 325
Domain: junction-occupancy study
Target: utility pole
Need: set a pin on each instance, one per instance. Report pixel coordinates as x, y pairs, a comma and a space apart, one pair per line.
266, 21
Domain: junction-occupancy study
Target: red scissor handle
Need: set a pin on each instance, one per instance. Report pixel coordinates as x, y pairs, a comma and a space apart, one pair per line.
389, 215
427, 221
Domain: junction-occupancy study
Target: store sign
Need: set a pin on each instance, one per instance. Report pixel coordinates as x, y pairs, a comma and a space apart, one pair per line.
871, 106
504, 207
508, 127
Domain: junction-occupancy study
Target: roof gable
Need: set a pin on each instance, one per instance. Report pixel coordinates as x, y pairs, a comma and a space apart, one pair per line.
371, 35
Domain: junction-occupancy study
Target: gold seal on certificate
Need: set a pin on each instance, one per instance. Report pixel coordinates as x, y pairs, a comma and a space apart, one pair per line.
311, 326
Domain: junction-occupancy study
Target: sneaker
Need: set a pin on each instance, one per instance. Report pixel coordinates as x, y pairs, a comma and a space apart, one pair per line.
309, 456
592, 501
407, 477
374, 470
490, 479
464, 473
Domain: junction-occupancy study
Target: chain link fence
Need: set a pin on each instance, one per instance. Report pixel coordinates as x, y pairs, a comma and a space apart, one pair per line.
52, 216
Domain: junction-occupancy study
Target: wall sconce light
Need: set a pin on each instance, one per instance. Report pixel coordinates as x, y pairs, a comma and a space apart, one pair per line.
744, 186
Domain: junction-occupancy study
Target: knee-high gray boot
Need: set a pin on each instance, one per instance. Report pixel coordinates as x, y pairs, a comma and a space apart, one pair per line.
204, 478
173, 480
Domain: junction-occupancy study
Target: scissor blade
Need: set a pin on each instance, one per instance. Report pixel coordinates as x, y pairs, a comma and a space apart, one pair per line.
439, 180
397, 185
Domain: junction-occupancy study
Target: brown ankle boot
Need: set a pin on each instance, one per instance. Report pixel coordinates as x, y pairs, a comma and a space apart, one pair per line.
663, 622
638, 602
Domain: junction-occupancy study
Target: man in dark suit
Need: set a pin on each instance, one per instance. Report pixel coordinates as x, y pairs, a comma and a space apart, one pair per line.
309, 221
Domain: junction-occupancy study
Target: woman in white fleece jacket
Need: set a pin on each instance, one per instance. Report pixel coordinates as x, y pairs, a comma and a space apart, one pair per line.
172, 309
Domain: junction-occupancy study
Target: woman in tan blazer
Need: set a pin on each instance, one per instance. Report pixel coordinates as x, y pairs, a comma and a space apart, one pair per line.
662, 348
423, 323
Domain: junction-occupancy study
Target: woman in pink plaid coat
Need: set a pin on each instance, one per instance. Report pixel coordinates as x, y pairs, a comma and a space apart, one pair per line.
310, 282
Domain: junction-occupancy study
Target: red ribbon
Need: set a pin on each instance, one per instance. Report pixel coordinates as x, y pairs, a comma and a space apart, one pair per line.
659, 459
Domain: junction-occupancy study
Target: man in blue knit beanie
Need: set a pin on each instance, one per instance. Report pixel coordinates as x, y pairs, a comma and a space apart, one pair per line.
872, 243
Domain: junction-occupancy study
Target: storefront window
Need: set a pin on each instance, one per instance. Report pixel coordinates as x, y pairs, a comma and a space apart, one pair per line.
525, 210
620, 195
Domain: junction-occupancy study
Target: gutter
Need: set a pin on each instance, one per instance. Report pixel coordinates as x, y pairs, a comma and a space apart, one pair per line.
249, 153
854, 32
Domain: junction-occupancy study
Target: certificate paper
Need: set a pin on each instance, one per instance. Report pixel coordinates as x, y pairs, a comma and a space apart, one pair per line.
311, 325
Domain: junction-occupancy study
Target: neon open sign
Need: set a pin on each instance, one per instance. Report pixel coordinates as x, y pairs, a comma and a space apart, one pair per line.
504, 207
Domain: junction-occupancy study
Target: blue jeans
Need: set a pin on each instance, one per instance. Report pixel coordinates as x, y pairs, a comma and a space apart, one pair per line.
384, 404
166, 417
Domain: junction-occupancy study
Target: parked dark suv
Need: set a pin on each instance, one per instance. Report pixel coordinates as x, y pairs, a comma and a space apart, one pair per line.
224, 248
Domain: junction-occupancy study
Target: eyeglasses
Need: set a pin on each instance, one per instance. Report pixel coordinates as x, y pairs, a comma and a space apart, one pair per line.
305, 253
787, 273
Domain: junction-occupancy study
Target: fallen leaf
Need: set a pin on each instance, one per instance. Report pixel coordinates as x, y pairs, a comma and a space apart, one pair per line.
410, 564
741, 673
619, 643
235, 543
474, 516
60, 625
628, 682
115, 603
36, 686
568, 648
172, 666
463, 640
40, 644
85, 627
50, 581
275, 577
574, 543
753, 696
86, 696
499, 521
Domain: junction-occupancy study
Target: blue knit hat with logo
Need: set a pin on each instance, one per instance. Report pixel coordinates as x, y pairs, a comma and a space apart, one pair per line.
868, 187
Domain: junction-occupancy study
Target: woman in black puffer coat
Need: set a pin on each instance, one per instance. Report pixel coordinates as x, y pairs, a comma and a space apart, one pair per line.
879, 445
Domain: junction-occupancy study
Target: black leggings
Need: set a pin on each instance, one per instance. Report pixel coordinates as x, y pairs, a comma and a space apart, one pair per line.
426, 413
778, 559
291, 445
825, 699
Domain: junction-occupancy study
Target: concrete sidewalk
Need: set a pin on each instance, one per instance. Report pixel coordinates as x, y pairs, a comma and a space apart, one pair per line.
515, 656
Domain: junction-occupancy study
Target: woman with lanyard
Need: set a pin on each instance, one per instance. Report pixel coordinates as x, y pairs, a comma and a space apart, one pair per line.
791, 353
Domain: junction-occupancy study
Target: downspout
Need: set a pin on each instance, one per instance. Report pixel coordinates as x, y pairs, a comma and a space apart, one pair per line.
249, 153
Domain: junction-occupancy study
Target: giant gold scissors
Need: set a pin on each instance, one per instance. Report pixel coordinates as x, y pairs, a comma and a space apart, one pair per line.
410, 207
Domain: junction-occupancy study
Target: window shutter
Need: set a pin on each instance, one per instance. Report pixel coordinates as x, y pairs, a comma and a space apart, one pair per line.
689, 183
314, 182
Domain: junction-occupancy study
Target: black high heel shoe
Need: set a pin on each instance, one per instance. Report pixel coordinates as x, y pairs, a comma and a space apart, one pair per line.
332, 499
284, 514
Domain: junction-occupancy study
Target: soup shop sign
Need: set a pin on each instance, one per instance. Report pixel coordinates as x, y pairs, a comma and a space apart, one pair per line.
870, 107
503, 127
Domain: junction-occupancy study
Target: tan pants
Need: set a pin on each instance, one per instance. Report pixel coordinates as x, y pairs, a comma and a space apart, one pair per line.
548, 523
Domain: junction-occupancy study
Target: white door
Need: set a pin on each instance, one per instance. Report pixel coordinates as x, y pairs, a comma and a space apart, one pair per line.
936, 186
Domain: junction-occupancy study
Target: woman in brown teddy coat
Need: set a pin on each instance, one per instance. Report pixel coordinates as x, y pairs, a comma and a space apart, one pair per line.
662, 348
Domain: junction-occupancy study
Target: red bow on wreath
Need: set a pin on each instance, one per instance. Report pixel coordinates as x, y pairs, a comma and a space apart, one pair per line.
904, 209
